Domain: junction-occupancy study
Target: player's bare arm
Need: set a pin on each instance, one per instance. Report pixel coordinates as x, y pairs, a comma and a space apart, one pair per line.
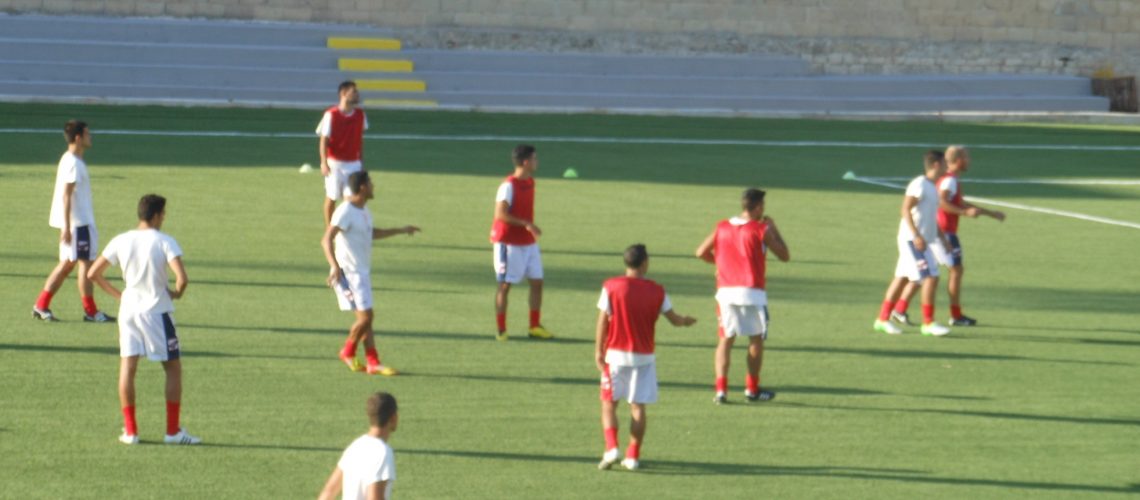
705, 250
775, 241
379, 234
503, 213
95, 274
678, 320
65, 232
328, 245
332, 486
322, 144
376, 490
181, 281
603, 330
909, 202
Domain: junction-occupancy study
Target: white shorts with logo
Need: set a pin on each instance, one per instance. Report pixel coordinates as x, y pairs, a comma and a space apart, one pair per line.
914, 265
336, 183
84, 244
635, 384
354, 291
148, 334
742, 320
515, 262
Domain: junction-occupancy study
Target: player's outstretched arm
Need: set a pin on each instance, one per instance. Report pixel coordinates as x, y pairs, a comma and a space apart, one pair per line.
678, 320
379, 234
327, 244
332, 486
96, 274
603, 330
705, 250
775, 241
181, 281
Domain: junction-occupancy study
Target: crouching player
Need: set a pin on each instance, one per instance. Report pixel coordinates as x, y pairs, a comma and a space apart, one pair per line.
629, 307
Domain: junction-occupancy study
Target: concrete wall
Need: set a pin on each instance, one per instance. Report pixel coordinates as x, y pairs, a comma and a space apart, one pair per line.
838, 36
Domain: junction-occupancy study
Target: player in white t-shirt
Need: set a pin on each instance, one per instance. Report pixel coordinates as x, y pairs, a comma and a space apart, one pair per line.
74, 215
918, 229
367, 468
347, 244
145, 306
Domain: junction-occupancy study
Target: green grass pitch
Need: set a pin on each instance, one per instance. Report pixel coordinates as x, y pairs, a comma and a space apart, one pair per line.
1041, 400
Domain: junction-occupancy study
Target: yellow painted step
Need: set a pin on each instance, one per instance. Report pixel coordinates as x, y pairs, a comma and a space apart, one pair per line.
336, 42
404, 103
392, 85
385, 65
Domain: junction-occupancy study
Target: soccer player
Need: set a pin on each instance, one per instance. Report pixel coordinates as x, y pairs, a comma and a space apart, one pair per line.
73, 214
739, 248
367, 468
145, 307
918, 230
513, 235
341, 138
628, 310
950, 207
348, 248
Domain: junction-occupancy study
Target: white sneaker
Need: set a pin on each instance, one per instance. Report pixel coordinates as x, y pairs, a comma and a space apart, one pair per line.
934, 329
629, 463
181, 438
609, 458
129, 439
888, 328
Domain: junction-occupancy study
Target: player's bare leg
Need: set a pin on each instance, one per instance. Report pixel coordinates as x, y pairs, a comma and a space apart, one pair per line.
721, 362
329, 207
42, 308
501, 294
175, 434
536, 330
609, 430
899, 314
87, 295
356, 333
752, 390
895, 290
127, 368
638, 420
367, 336
929, 290
955, 288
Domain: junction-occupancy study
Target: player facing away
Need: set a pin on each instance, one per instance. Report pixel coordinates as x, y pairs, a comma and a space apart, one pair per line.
950, 207
146, 326
73, 214
367, 468
739, 249
341, 140
514, 239
918, 231
347, 244
627, 314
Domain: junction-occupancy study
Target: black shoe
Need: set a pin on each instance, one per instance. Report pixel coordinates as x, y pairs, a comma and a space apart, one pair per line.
901, 318
98, 317
44, 314
963, 321
760, 396
720, 399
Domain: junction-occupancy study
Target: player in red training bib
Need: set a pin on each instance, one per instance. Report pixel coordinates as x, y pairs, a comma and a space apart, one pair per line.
739, 248
627, 314
950, 207
341, 140
514, 238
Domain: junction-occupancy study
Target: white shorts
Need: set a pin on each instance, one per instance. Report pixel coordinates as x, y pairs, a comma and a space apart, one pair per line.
336, 183
514, 262
149, 334
354, 291
914, 265
742, 320
635, 384
948, 257
84, 244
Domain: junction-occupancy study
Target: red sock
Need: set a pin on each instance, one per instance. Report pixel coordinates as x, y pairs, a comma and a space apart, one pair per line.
927, 314
370, 354
634, 450
173, 409
535, 318
885, 311
611, 438
349, 350
901, 306
955, 311
44, 302
752, 384
501, 319
722, 384
130, 427
89, 305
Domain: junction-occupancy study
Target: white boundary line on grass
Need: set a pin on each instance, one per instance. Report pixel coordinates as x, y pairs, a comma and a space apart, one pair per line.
879, 181
588, 140
1073, 182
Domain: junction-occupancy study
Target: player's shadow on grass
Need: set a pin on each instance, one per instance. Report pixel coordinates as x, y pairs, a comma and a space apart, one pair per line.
980, 414
381, 334
114, 351
932, 354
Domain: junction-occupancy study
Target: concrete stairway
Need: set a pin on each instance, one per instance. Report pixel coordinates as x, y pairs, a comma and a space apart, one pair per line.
212, 62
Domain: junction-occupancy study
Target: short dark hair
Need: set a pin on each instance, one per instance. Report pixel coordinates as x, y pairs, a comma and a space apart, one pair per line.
150, 205
932, 157
522, 153
381, 407
635, 256
357, 180
751, 198
73, 129
344, 86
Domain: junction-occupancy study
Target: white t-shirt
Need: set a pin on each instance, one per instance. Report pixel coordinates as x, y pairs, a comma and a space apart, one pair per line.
72, 170
505, 193
625, 358
143, 254
354, 241
367, 460
324, 128
925, 213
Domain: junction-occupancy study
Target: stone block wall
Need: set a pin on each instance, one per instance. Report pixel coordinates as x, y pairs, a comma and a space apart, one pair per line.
838, 36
